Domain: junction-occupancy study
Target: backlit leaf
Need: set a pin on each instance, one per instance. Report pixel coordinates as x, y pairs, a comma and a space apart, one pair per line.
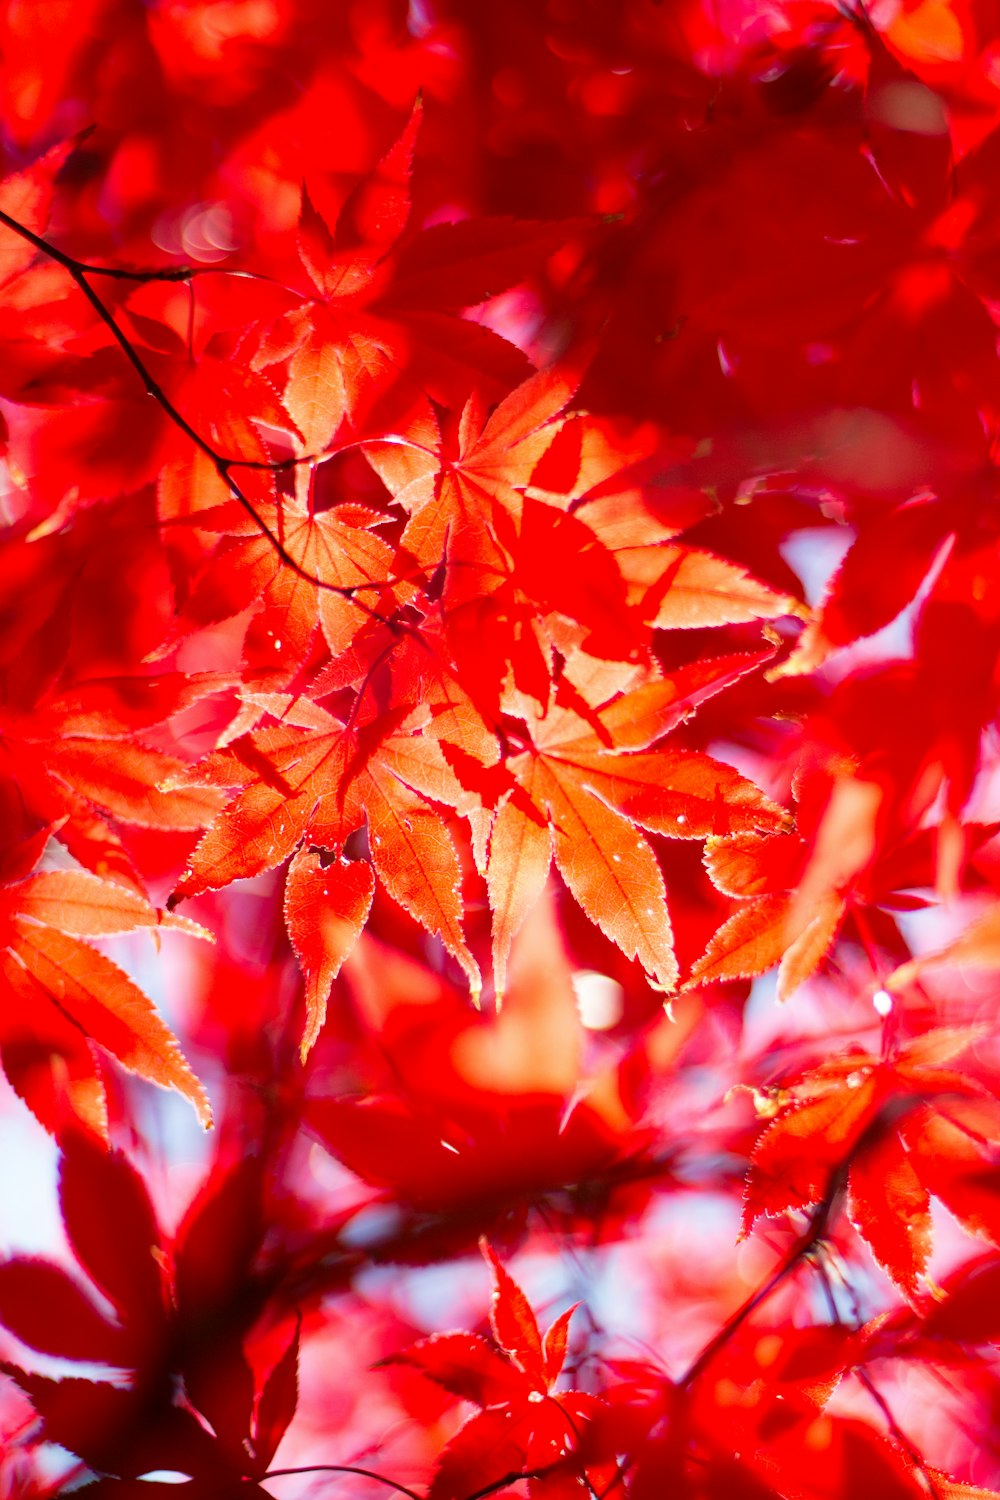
326, 908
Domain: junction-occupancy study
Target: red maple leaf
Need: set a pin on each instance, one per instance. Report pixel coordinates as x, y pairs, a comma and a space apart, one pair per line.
319, 782
897, 1130
386, 304
582, 787
525, 1426
65, 997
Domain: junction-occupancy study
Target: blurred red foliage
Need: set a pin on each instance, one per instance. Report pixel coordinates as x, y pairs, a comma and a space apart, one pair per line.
501, 555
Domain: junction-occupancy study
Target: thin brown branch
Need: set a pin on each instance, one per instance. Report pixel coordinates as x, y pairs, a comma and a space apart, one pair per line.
79, 271
795, 1256
896, 1432
392, 1484
508, 1479
401, 1489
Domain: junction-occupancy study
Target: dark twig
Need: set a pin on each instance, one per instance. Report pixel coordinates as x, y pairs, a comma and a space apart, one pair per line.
912, 1452
402, 1489
79, 271
795, 1256
392, 1484
501, 1484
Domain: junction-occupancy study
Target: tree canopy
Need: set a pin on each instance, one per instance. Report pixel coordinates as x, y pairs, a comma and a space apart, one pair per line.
499, 865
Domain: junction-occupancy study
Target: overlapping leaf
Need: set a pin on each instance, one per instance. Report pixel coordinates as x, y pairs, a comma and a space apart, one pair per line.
384, 322
582, 788
65, 996
524, 1425
895, 1132
162, 1297
80, 766
319, 782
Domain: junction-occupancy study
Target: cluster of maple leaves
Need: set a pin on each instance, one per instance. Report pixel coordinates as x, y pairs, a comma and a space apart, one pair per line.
500, 557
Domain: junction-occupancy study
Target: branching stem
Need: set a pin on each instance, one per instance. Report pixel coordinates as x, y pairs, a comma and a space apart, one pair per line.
79, 271
794, 1257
